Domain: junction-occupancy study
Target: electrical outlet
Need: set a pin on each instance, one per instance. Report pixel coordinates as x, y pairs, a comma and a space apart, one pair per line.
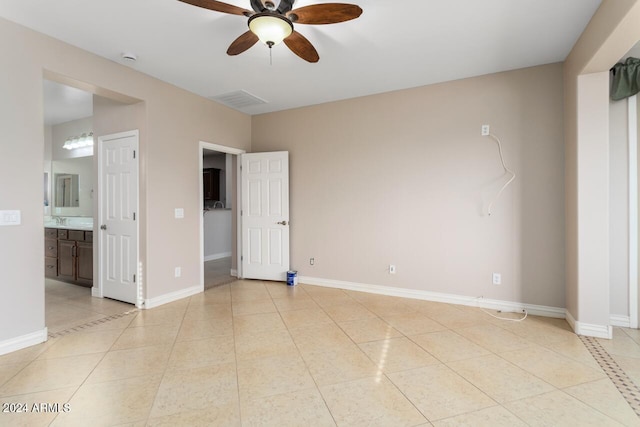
485, 130
312, 261
178, 272
497, 278
392, 269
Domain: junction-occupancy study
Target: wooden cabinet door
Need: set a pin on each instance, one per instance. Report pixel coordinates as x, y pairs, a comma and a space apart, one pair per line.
66, 259
211, 184
85, 262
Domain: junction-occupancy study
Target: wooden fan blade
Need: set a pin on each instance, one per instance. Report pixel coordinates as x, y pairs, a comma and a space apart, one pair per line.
242, 43
219, 6
302, 47
326, 13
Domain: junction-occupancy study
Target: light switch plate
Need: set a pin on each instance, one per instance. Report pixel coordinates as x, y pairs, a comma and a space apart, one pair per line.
10, 217
179, 213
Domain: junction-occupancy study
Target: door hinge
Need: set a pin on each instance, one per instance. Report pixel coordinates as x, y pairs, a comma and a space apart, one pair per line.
241, 212
241, 258
134, 278
134, 154
134, 216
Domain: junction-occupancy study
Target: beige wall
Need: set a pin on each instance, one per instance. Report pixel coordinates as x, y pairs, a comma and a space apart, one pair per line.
404, 178
611, 33
175, 122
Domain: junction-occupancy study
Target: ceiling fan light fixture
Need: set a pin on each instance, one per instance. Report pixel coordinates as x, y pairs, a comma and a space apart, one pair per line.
270, 28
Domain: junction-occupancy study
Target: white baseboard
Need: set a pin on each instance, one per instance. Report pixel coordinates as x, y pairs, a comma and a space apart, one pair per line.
234, 272
24, 341
620, 320
589, 329
536, 310
172, 296
214, 257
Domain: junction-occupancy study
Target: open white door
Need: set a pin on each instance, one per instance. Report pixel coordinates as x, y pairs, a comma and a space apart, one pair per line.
118, 235
265, 215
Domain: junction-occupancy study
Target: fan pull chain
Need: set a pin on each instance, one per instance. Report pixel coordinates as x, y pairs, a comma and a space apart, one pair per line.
270, 44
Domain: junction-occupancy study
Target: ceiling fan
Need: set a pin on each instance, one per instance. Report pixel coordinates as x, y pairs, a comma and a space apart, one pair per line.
273, 24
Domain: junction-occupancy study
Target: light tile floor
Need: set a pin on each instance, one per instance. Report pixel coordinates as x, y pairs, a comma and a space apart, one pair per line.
69, 305
255, 353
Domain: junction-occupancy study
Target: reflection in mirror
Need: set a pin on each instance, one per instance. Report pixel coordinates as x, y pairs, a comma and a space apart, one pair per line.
46, 189
80, 170
67, 192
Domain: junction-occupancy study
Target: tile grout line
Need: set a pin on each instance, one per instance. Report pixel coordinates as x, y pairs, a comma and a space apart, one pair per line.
627, 388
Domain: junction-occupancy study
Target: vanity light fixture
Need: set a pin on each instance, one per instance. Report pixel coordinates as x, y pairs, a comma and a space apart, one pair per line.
81, 141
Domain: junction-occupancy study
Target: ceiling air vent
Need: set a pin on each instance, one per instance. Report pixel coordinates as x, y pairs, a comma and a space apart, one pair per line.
238, 99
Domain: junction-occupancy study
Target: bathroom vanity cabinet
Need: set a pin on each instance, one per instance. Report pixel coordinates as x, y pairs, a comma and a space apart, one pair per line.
69, 255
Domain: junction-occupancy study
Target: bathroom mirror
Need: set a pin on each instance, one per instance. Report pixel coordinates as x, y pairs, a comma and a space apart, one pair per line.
67, 190
72, 187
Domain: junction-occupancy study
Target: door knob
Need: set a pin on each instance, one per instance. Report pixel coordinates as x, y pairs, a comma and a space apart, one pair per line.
282, 222
103, 227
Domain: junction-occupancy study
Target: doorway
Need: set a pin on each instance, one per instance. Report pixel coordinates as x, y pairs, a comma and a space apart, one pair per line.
218, 167
69, 208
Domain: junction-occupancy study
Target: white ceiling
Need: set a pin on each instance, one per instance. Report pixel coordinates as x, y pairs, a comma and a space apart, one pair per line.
393, 45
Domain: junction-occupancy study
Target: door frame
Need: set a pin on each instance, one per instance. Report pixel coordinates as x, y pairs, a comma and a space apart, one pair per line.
632, 103
97, 291
235, 152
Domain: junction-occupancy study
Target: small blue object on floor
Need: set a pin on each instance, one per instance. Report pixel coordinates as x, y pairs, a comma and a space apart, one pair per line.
292, 278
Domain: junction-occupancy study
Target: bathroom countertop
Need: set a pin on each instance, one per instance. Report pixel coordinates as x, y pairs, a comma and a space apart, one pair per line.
70, 227
75, 223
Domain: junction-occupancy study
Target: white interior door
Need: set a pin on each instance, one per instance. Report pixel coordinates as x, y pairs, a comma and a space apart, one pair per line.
265, 215
118, 234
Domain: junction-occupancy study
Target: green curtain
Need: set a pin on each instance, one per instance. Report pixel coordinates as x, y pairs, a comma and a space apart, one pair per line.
626, 79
